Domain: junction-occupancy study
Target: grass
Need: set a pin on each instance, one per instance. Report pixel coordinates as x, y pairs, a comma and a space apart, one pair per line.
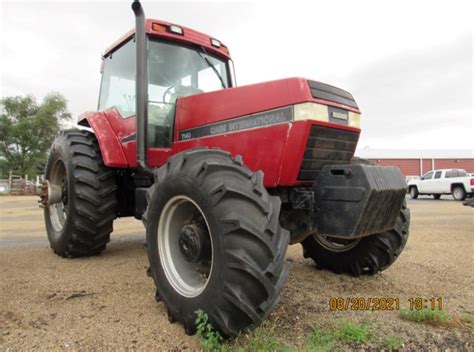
322, 340
265, 338
210, 339
468, 318
260, 340
352, 332
392, 342
425, 315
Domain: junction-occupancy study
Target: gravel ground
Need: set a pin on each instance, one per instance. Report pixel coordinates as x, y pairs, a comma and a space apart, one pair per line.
107, 302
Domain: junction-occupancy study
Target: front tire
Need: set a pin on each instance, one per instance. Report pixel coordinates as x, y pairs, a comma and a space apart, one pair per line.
80, 224
214, 241
365, 256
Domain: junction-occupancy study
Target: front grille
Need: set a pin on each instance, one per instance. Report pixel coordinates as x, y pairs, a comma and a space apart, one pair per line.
326, 92
326, 146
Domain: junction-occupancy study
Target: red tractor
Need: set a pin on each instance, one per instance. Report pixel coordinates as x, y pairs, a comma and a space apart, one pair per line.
223, 177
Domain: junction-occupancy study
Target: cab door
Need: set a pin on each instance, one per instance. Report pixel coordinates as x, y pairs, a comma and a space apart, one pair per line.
426, 183
176, 70
438, 182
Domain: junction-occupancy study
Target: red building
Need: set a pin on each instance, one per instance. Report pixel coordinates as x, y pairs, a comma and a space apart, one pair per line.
418, 162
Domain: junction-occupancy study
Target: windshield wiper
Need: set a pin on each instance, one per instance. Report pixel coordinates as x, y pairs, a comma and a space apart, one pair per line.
208, 62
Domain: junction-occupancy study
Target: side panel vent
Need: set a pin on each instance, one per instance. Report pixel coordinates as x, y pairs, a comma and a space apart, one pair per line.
326, 146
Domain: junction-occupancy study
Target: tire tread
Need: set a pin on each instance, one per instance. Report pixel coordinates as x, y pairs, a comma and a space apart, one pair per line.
94, 189
371, 255
233, 187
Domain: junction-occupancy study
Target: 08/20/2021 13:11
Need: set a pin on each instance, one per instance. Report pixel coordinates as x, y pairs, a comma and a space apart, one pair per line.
384, 303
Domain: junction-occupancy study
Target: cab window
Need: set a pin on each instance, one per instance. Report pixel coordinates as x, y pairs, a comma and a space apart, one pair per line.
438, 174
451, 174
427, 176
118, 81
174, 71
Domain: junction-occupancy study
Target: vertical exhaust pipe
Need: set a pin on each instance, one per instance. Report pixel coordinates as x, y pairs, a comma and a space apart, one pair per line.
141, 85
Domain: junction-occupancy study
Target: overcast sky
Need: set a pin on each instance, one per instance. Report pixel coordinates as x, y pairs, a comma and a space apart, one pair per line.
408, 63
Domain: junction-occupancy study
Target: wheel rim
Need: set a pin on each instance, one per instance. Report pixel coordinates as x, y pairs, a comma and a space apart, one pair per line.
58, 212
412, 192
185, 246
335, 244
457, 193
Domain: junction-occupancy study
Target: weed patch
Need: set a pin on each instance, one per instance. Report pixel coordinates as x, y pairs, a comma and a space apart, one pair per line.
349, 331
392, 342
321, 340
209, 338
425, 315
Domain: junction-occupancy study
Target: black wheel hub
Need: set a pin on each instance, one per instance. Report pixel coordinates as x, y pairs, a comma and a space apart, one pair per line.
193, 243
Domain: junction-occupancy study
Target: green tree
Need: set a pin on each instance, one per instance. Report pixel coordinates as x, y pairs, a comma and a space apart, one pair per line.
27, 130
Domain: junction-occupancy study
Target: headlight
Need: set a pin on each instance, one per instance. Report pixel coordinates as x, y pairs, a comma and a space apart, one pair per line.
311, 111
354, 119
319, 112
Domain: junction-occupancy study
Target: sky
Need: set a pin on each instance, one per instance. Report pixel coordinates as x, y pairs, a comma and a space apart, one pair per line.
408, 63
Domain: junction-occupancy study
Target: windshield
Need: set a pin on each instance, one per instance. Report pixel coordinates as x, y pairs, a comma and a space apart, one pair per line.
176, 71
182, 71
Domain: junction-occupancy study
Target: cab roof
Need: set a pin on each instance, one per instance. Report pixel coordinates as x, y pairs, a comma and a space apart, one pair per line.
158, 28
447, 170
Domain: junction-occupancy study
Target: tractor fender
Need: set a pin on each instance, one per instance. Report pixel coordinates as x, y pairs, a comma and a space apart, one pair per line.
110, 146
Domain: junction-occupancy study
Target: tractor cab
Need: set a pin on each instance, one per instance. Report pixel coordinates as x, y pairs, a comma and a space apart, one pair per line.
180, 62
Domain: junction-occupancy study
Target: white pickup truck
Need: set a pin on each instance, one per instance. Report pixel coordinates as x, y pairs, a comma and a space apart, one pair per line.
446, 181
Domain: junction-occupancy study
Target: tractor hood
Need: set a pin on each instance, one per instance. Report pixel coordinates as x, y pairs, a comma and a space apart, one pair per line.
260, 105
289, 129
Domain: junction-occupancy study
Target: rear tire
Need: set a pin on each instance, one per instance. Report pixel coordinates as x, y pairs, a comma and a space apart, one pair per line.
414, 192
240, 286
80, 225
366, 256
458, 193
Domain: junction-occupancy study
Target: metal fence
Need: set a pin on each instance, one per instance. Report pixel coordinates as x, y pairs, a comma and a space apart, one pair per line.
17, 185
20, 186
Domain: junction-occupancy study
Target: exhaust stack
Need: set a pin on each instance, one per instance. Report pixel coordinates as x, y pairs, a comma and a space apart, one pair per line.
141, 84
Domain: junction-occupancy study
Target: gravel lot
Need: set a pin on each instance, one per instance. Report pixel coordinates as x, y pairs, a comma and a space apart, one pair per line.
107, 302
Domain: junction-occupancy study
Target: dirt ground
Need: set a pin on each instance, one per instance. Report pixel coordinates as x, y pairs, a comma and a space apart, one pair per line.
107, 302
